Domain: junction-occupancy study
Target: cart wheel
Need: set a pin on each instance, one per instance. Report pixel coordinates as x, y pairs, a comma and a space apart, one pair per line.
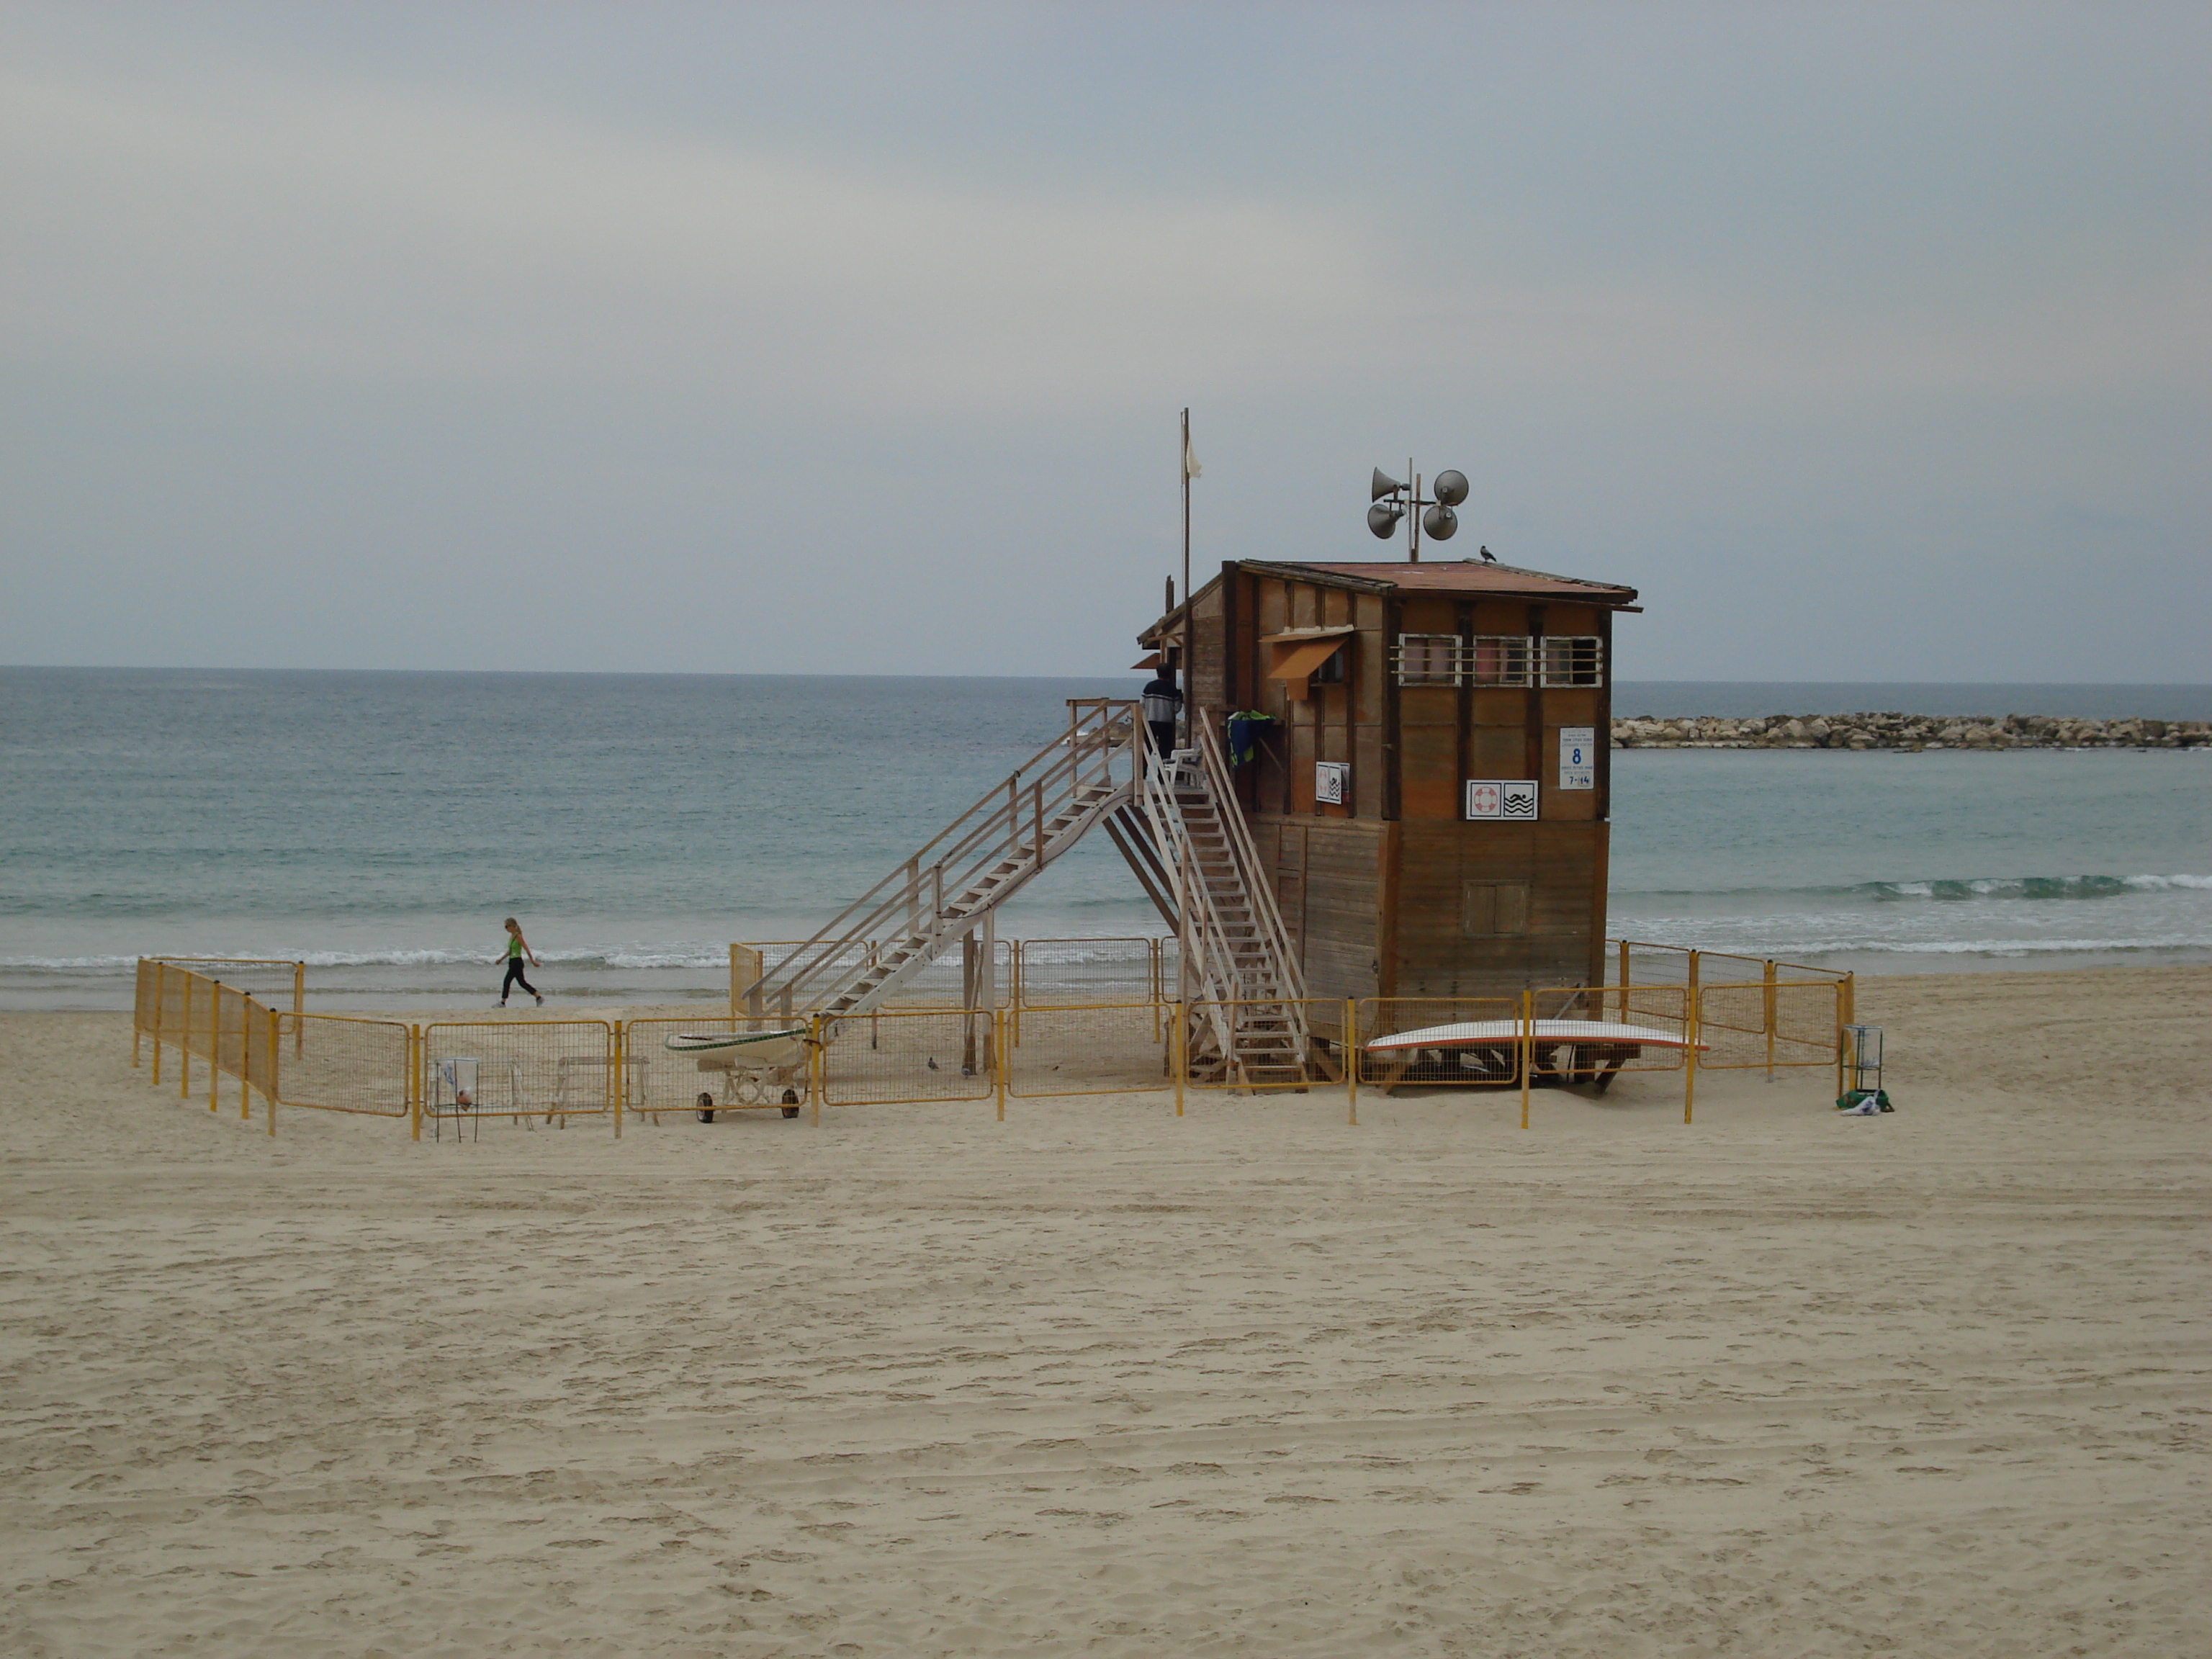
791, 1102
706, 1108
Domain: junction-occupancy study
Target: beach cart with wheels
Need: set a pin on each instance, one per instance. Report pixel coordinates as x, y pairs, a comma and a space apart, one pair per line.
755, 1069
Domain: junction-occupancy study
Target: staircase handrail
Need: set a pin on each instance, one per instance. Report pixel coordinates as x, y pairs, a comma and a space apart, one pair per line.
1202, 947
1257, 881
1005, 820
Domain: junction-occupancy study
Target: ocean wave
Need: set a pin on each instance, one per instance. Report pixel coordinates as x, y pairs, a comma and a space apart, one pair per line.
1972, 887
602, 956
2006, 947
2035, 887
1114, 950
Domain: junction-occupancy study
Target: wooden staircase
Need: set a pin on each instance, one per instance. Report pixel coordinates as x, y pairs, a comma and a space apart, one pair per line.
1239, 970
1178, 824
949, 889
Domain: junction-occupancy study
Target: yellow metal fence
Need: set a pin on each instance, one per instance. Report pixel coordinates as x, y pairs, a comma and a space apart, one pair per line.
540, 1072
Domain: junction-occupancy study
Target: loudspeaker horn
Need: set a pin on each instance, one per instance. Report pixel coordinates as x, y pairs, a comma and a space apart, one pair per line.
1441, 522
1451, 487
1382, 518
1384, 485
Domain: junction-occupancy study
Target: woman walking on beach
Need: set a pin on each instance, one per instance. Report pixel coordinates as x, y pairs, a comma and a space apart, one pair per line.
517, 948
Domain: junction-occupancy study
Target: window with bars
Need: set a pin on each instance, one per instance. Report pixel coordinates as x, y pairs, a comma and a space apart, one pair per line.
1574, 659
1447, 660
1498, 659
1428, 658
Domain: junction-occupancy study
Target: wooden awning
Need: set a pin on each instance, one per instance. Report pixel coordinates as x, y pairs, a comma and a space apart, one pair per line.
1297, 659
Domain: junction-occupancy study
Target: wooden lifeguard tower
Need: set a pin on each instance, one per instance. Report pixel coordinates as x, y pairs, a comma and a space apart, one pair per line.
1428, 791
1420, 810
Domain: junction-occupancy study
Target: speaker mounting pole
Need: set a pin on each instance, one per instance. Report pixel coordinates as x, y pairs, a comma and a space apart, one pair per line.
1390, 501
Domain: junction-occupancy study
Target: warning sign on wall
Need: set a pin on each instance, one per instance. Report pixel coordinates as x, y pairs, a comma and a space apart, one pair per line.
1331, 779
1501, 798
1579, 758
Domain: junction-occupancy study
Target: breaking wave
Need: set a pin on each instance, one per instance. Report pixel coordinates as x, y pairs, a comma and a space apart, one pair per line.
2035, 887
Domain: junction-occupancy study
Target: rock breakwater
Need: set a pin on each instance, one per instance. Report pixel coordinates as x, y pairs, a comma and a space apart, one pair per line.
1907, 731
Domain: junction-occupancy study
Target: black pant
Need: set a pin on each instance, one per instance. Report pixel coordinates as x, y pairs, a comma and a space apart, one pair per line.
1163, 736
514, 978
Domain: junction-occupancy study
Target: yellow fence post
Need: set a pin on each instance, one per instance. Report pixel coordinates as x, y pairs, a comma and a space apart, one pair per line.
1624, 981
1528, 1049
816, 1065
161, 989
998, 1056
246, 1022
415, 1082
1179, 1053
215, 1039
1351, 1062
269, 1095
1847, 1013
184, 1041
1691, 1021
1769, 1022
618, 1078
299, 1007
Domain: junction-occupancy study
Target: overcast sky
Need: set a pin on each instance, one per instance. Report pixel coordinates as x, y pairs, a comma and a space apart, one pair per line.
1870, 342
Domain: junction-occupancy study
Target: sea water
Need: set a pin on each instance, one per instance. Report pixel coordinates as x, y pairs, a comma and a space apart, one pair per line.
379, 826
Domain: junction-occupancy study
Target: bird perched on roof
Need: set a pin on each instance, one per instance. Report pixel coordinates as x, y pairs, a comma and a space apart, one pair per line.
1488, 557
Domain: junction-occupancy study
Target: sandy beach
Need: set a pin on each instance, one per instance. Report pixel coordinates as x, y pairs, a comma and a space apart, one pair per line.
1098, 1381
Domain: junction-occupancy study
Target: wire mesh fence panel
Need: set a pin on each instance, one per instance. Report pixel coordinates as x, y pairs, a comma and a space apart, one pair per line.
145, 995
1089, 1049
270, 980
228, 1031
947, 982
1725, 967
261, 1062
904, 1055
1798, 971
656, 1081
1262, 1043
776, 952
337, 1063
1067, 973
523, 1072
1453, 1043
200, 1017
1634, 962
1784, 1024
1732, 1026
1808, 1020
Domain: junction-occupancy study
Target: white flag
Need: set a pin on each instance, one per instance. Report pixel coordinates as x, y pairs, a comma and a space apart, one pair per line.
1189, 460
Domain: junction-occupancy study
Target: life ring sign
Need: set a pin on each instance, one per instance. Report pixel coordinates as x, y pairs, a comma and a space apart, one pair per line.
1508, 799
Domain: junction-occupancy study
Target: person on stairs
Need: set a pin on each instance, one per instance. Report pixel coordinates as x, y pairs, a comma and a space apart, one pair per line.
1163, 704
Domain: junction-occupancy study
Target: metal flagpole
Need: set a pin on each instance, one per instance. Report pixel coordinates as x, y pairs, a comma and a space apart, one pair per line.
1183, 462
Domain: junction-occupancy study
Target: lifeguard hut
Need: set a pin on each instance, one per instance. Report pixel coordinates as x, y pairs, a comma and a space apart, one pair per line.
1428, 786
1418, 808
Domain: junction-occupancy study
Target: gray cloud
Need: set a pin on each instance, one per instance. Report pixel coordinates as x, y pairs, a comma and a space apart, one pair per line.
852, 339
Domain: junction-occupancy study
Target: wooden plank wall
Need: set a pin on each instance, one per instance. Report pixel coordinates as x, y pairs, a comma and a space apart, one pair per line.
1403, 897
